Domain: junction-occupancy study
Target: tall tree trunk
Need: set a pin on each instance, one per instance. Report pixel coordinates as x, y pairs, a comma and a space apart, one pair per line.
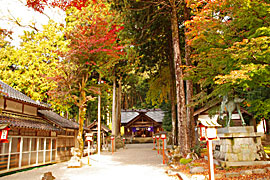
189, 86
82, 112
172, 94
126, 101
119, 106
180, 90
114, 122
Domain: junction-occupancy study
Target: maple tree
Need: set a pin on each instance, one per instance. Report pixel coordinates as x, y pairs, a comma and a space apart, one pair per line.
93, 49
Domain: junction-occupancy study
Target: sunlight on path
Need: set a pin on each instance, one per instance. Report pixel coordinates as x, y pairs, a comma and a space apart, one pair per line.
138, 162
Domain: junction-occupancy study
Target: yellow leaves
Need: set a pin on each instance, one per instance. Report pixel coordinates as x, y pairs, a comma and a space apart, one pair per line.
237, 76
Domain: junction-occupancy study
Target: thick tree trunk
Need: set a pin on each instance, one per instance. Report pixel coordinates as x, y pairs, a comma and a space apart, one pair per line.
180, 90
172, 94
114, 122
119, 106
189, 88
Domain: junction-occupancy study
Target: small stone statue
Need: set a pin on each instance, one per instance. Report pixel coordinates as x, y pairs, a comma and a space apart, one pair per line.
48, 176
230, 107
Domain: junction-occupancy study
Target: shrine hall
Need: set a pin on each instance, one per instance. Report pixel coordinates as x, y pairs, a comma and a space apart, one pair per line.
141, 124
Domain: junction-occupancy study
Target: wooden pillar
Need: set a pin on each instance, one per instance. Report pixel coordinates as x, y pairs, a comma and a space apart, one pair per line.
20, 156
56, 151
37, 151
18, 150
44, 150
9, 151
103, 139
30, 150
51, 149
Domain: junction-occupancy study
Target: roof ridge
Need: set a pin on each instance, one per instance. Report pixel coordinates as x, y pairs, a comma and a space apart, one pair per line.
12, 93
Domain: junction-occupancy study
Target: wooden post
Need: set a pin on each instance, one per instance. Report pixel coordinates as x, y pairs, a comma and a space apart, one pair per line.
103, 139
20, 156
51, 149
99, 119
37, 151
44, 150
30, 149
154, 143
9, 151
56, 152
112, 145
163, 152
210, 160
88, 149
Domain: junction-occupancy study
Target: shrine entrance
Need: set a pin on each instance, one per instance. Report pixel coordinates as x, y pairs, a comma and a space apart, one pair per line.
141, 123
142, 131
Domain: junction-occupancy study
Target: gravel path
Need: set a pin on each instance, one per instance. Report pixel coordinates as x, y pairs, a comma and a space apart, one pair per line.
138, 162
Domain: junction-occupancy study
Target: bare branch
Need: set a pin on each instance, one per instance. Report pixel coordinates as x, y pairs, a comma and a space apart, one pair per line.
14, 20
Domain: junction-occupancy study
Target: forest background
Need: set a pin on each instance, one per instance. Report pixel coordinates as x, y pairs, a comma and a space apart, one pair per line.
175, 55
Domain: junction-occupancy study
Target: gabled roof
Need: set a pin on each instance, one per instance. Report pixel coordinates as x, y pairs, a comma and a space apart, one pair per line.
26, 121
155, 114
93, 126
127, 116
59, 120
17, 95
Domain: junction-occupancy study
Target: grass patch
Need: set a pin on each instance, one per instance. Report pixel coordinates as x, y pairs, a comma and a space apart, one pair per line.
195, 164
267, 149
185, 161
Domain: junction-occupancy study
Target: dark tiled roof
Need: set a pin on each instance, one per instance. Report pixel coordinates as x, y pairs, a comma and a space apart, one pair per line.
59, 120
14, 94
22, 121
155, 114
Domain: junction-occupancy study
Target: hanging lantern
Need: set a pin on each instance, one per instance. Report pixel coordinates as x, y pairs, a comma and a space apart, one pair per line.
4, 133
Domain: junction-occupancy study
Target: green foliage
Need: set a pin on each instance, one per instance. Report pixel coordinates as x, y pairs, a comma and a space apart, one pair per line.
25, 68
167, 120
185, 161
197, 149
159, 87
231, 51
148, 26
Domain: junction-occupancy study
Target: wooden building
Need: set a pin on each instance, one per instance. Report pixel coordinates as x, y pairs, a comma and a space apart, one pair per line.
37, 135
66, 136
31, 139
93, 128
141, 123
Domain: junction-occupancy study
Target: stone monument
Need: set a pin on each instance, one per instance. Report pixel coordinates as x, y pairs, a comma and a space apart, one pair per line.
239, 146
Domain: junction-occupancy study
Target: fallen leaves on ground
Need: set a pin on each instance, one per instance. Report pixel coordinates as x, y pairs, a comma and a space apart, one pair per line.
203, 163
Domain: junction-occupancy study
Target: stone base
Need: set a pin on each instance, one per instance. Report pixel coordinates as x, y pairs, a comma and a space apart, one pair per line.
243, 163
237, 144
236, 129
75, 162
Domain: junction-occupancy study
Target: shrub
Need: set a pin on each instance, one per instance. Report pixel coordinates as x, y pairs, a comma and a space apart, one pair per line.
185, 161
